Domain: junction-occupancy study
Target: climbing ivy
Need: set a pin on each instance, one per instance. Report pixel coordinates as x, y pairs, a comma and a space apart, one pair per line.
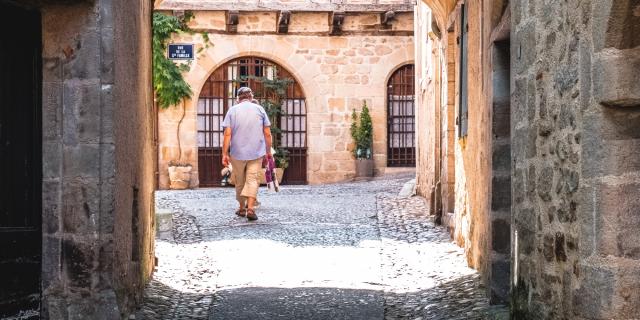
169, 85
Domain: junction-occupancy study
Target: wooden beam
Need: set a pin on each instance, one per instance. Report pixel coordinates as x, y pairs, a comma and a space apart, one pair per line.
337, 19
232, 21
283, 21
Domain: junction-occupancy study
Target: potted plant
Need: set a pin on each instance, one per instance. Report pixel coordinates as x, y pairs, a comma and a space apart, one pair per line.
170, 88
274, 93
362, 134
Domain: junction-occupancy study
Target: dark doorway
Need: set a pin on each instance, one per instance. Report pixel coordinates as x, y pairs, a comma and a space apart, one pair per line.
219, 94
20, 161
401, 131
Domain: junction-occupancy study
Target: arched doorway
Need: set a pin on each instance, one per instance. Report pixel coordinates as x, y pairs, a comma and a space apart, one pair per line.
219, 93
401, 150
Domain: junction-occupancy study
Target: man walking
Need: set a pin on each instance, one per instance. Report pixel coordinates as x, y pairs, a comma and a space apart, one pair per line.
247, 132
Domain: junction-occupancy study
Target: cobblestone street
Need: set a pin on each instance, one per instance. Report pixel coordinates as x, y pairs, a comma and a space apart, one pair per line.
344, 251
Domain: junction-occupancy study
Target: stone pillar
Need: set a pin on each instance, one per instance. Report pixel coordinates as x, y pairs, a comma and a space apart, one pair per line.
85, 234
576, 141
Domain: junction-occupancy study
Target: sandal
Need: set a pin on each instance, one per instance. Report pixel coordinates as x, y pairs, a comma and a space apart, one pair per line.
241, 212
251, 215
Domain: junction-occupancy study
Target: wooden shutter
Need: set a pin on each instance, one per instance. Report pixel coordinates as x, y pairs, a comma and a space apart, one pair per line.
463, 108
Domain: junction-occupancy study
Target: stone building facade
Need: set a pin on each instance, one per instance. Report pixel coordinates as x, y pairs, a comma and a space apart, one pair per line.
533, 108
338, 68
92, 237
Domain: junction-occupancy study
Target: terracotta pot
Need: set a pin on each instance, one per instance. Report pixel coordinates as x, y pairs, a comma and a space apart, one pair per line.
179, 177
364, 167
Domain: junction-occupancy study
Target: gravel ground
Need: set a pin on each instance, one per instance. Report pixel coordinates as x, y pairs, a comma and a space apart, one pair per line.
342, 251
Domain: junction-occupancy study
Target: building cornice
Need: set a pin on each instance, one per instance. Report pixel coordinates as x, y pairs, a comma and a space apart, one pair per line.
216, 5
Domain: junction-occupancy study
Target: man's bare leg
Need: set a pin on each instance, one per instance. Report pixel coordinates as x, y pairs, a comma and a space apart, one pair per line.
250, 202
251, 214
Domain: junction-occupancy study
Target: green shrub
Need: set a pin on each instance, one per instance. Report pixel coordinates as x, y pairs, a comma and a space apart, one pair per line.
362, 133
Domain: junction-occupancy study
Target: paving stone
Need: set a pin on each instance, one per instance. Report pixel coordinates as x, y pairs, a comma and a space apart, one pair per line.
342, 251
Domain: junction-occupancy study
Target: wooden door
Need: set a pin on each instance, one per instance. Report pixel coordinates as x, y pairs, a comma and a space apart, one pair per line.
20, 161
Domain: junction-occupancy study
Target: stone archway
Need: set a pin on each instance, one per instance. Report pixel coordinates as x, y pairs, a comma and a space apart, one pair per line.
218, 94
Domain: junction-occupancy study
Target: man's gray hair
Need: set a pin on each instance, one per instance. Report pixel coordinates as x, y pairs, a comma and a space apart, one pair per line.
245, 93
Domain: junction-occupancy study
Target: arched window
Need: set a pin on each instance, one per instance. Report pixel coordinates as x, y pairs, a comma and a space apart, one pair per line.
401, 151
219, 93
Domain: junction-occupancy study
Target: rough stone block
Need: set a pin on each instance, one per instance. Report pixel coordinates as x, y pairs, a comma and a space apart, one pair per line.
107, 66
52, 164
500, 279
164, 223
619, 220
107, 307
82, 161
51, 111
615, 75
104, 268
501, 158
107, 161
545, 183
105, 18
526, 236
501, 236
525, 47
81, 62
594, 296
559, 245
107, 206
518, 187
501, 121
501, 193
565, 78
81, 112
50, 206
51, 70
611, 141
80, 207
53, 308
627, 291
51, 254
77, 264
107, 129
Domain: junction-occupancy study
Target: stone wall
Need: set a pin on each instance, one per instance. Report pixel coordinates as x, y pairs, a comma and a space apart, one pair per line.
135, 153
425, 101
458, 173
336, 73
576, 147
96, 124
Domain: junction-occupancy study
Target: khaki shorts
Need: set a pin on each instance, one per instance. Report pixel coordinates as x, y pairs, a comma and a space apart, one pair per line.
246, 176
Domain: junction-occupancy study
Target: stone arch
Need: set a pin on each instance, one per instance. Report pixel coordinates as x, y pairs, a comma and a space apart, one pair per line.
262, 55
215, 99
397, 67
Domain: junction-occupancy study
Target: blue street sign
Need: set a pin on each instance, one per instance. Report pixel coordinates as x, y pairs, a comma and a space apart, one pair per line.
180, 51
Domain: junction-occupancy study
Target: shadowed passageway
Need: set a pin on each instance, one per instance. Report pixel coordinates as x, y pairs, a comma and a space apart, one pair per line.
346, 251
